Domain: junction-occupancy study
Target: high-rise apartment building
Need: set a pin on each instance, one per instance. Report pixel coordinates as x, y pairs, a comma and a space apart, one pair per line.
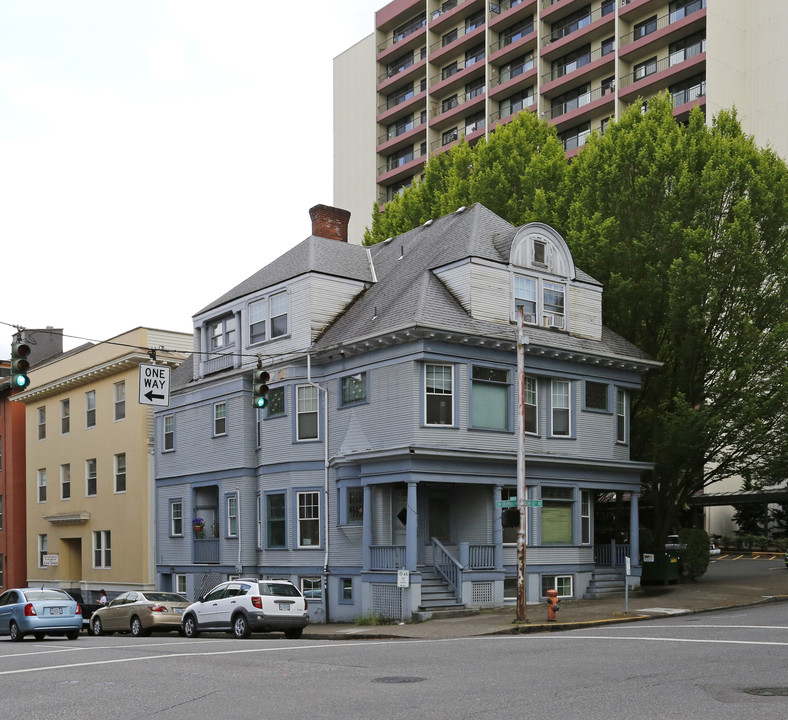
433, 72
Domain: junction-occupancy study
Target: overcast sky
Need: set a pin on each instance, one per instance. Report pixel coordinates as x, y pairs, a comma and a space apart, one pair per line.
154, 153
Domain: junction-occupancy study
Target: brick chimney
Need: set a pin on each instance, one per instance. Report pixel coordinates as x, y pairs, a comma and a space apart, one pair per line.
329, 222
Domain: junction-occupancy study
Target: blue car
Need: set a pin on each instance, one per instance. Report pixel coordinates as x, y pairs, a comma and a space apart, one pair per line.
39, 612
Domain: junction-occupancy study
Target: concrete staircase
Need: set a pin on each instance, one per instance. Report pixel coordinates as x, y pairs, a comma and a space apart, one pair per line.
605, 582
438, 599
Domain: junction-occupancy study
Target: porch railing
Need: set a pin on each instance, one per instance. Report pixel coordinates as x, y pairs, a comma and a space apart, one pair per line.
206, 550
387, 557
449, 568
481, 557
612, 555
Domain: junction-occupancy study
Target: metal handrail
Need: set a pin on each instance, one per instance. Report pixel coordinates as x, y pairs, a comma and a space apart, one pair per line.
665, 20
591, 18
445, 565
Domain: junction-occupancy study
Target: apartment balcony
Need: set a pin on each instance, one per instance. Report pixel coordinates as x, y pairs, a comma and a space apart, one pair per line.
694, 94
633, 11
660, 74
582, 69
456, 43
471, 132
552, 10
393, 170
408, 101
568, 36
458, 74
504, 13
449, 12
392, 46
447, 111
667, 29
509, 80
497, 119
387, 80
405, 133
584, 107
511, 47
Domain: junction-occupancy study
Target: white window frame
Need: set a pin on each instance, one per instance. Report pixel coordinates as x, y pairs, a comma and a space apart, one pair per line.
555, 581
43, 549
622, 416
432, 389
531, 400
65, 416
555, 408
90, 409
120, 472
119, 398
168, 429
179, 583
102, 549
232, 515
219, 419
176, 517
42, 423
315, 582
267, 313
531, 292
41, 484
585, 517
221, 333
91, 476
307, 404
65, 481
307, 513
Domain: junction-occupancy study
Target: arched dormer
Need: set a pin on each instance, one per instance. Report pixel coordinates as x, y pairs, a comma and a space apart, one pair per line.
538, 247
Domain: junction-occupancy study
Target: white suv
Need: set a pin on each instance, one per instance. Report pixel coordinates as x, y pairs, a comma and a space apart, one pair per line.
248, 605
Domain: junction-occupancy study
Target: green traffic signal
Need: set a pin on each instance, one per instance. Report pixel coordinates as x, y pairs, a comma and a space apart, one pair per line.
20, 365
260, 380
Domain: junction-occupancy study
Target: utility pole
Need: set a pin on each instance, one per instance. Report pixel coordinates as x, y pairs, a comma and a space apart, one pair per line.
521, 487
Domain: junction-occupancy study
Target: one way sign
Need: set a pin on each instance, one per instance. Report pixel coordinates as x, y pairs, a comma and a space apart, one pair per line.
154, 385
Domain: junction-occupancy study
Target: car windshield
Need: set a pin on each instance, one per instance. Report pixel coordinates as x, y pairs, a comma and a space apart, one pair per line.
42, 594
273, 588
165, 597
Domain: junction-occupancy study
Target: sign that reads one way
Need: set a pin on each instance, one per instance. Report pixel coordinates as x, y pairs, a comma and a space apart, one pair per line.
154, 385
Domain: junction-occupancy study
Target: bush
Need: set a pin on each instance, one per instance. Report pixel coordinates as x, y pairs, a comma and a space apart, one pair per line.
695, 559
781, 544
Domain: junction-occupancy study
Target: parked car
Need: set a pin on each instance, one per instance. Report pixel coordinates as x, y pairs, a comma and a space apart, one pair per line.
248, 605
714, 549
87, 608
140, 613
39, 612
786, 558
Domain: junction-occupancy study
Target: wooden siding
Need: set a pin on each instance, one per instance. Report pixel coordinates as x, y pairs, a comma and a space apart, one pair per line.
491, 293
329, 296
585, 311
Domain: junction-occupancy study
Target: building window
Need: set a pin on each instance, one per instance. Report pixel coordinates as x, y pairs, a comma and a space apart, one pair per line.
102, 549
510, 516
354, 388
449, 136
65, 481
490, 398
608, 46
42, 486
42, 549
530, 406
276, 402
557, 508
596, 396
308, 519
232, 516
258, 316
562, 584
306, 412
280, 305
65, 417
119, 392
120, 473
679, 9
355, 505
553, 305
220, 419
176, 518
180, 584
42, 423
644, 69
474, 89
525, 296
222, 333
621, 416
268, 313
516, 32
312, 589
275, 521
346, 590
90, 477
585, 517
645, 28
169, 432
559, 407
439, 390
90, 409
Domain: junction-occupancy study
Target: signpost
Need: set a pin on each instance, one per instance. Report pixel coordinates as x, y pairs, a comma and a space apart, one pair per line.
628, 564
154, 385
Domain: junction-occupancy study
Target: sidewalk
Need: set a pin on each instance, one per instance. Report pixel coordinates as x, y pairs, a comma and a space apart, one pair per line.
650, 601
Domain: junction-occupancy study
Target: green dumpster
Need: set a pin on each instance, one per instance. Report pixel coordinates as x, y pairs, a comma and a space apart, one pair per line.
660, 568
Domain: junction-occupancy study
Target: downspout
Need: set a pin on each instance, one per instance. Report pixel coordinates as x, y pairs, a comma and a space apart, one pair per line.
325, 473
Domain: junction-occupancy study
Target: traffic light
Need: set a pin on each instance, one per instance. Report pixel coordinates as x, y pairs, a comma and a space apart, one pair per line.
260, 380
20, 365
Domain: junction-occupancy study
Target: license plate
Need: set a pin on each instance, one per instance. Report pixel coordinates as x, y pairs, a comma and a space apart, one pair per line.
56, 611
284, 606
179, 611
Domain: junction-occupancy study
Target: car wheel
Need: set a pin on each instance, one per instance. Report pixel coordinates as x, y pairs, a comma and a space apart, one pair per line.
96, 628
13, 631
136, 628
73, 635
294, 633
190, 627
241, 628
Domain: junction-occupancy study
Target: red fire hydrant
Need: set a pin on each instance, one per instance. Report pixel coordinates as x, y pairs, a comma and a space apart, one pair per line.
552, 604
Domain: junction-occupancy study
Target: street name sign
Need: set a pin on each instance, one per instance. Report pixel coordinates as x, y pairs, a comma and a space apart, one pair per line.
506, 503
154, 385
533, 503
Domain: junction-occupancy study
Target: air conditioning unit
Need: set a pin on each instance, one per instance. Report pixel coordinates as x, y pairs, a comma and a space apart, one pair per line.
553, 321
529, 318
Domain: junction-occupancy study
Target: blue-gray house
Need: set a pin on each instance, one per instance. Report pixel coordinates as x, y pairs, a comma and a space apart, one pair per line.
389, 440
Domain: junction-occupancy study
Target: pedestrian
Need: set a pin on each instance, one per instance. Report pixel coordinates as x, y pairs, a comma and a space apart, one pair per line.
102, 597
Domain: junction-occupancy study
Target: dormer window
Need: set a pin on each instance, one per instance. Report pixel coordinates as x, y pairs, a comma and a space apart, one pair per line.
542, 301
222, 333
268, 317
540, 253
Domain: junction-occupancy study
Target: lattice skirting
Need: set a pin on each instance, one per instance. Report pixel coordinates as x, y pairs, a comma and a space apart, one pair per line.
386, 600
482, 593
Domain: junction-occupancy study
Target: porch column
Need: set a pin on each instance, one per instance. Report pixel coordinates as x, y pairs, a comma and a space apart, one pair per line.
411, 530
497, 529
366, 534
634, 529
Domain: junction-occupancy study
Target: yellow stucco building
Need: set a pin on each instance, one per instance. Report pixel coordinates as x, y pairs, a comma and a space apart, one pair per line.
89, 458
